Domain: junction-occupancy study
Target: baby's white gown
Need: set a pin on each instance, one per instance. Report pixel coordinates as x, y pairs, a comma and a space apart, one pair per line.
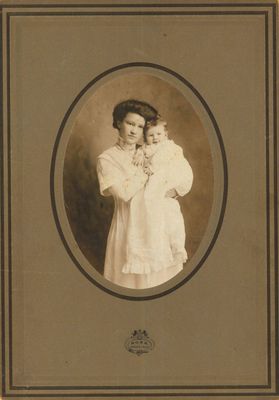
156, 231
115, 169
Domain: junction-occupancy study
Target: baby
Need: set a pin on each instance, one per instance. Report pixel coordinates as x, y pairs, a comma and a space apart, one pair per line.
156, 231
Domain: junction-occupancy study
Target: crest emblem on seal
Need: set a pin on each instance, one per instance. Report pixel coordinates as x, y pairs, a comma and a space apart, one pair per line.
139, 342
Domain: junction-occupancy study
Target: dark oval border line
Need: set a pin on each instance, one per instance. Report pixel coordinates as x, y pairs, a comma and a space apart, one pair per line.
52, 172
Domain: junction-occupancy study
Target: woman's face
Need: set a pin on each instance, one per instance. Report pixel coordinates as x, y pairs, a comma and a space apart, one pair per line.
131, 128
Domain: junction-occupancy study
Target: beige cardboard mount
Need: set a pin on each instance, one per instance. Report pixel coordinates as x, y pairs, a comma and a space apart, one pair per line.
210, 70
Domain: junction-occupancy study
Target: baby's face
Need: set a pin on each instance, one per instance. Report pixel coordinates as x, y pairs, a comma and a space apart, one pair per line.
155, 134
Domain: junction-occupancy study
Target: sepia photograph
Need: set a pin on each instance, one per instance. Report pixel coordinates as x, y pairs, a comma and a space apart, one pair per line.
138, 180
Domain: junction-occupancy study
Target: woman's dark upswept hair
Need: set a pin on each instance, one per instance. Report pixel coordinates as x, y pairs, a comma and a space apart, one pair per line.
133, 106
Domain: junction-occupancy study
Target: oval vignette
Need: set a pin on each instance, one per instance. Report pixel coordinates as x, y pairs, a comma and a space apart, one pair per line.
89, 214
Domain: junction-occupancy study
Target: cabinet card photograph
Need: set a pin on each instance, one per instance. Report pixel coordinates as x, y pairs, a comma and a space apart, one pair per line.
139, 199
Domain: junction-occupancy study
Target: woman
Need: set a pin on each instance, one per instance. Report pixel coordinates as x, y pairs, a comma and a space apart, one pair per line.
120, 178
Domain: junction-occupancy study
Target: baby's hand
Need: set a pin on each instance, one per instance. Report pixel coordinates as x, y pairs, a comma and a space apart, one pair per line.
138, 158
146, 151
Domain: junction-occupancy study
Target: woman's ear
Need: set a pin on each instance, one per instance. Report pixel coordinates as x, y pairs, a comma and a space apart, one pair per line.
118, 124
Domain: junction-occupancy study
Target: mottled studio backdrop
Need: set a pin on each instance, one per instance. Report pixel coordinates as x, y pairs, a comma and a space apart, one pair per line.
88, 212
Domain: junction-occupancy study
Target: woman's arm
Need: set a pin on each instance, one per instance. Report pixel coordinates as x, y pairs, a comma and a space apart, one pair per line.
126, 189
184, 183
112, 182
179, 175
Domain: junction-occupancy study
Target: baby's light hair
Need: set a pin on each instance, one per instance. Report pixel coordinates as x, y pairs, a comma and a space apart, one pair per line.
158, 120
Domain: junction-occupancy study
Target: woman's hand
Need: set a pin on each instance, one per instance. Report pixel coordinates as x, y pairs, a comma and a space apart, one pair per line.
147, 170
138, 159
171, 193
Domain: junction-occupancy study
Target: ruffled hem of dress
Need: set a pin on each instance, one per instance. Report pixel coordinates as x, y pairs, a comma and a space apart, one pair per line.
147, 267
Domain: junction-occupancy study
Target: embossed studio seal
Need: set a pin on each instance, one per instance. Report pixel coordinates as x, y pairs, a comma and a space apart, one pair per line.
139, 343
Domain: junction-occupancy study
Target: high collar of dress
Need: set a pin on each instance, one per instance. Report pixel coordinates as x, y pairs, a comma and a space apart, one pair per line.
128, 148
